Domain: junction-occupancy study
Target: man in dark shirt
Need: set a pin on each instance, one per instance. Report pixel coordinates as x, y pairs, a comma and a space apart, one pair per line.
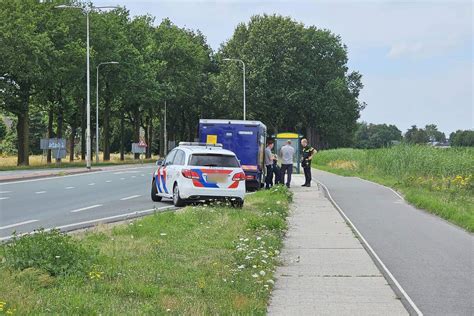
308, 153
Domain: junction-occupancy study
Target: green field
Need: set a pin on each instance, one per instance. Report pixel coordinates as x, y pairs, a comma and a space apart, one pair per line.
438, 180
200, 260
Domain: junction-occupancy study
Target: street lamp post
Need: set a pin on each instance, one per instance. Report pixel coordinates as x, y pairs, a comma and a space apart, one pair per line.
88, 103
97, 110
243, 70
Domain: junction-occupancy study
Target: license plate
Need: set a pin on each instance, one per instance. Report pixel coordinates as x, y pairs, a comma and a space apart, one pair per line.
216, 178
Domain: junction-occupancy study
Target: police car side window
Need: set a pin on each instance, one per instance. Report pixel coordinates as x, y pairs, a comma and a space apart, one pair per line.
179, 158
169, 158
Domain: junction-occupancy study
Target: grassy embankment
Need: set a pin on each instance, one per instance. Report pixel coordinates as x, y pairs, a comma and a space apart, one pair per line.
200, 260
440, 181
39, 162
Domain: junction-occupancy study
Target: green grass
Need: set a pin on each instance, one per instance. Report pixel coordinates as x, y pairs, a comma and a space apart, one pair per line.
440, 181
200, 260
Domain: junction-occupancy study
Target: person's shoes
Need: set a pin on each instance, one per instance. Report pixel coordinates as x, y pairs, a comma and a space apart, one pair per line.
304, 185
288, 186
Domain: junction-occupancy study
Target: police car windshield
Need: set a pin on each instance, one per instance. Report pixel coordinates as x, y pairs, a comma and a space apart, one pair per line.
213, 160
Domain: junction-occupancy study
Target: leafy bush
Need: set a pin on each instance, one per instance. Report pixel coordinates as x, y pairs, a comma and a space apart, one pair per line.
51, 251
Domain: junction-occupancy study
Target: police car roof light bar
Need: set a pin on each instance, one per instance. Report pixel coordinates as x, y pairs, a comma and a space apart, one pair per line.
199, 144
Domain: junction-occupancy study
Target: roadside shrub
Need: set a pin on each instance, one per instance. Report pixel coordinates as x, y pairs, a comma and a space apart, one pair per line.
50, 251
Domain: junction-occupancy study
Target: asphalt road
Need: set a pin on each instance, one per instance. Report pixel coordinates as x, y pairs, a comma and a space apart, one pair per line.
72, 201
431, 258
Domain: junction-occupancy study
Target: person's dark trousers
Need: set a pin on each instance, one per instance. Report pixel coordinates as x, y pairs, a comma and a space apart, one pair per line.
277, 173
307, 175
284, 169
269, 176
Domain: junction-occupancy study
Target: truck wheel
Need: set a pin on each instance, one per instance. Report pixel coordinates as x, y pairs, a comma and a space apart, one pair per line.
177, 201
154, 192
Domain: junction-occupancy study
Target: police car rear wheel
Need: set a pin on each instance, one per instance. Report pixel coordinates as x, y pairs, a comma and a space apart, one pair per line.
177, 201
237, 203
154, 192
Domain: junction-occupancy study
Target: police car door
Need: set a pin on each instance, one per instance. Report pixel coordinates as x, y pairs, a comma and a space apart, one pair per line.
164, 173
175, 169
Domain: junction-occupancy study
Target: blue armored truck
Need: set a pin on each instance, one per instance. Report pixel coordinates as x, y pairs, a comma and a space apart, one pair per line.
245, 138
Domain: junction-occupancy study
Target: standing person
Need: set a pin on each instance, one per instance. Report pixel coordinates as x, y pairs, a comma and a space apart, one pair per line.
308, 153
269, 165
287, 153
276, 170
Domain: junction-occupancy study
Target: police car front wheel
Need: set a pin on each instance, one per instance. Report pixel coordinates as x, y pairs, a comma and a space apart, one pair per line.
177, 201
154, 192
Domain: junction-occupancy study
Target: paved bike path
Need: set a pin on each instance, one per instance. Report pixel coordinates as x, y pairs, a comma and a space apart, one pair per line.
431, 258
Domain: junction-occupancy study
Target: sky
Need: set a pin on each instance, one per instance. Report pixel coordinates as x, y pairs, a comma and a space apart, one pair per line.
416, 57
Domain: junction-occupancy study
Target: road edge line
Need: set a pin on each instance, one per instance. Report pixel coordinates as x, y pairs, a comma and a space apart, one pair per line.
372, 251
52, 177
90, 223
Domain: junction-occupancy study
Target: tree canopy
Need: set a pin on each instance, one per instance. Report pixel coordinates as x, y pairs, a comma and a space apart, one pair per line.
297, 78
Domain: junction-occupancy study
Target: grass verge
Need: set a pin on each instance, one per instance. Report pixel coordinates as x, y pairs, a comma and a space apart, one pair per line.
200, 260
440, 181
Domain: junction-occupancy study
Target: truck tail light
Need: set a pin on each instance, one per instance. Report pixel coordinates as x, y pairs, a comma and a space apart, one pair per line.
190, 174
239, 176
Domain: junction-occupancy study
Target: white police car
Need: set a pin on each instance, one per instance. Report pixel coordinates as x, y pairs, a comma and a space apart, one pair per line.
195, 172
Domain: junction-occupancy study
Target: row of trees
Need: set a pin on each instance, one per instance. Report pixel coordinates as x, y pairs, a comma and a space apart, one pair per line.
297, 78
383, 135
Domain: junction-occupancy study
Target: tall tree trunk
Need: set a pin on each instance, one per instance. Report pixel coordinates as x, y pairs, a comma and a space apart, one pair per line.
147, 135
106, 130
71, 141
122, 127
23, 131
50, 132
59, 129
83, 131
150, 137
136, 128
162, 136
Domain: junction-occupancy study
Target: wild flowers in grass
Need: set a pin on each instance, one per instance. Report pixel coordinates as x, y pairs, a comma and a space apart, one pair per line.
6, 309
458, 183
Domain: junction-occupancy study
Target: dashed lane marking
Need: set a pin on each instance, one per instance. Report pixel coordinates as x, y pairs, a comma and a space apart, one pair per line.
86, 208
18, 224
129, 197
40, 192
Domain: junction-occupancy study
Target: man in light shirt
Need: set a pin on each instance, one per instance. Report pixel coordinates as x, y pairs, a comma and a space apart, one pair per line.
287, 153
269, 165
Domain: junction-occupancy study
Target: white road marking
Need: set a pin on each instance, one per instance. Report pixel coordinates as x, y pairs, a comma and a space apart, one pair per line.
122, 172
40, 192
115, 216
134, 176
108, 181
72, 175
102, 219
372, 251
4, 198
129, 197
86, 208
1, 192
19, 224
91, 183
142, 175
69, 188
122, 178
